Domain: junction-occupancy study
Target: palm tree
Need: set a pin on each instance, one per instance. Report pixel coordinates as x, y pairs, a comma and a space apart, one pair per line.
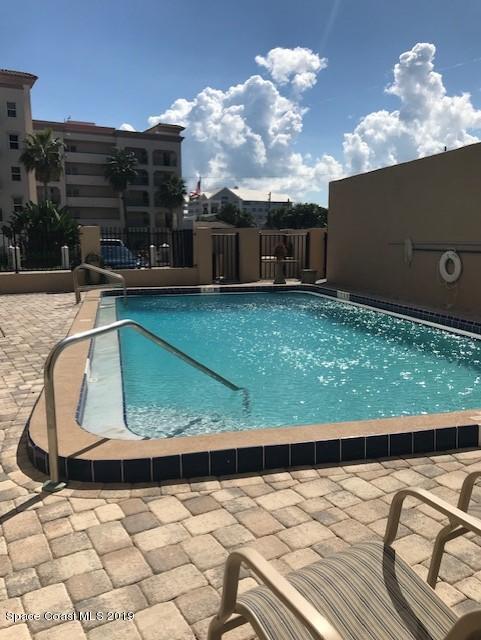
120, 172
43, 154
171, 194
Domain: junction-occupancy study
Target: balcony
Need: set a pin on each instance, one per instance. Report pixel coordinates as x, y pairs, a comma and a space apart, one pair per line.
161, 176
86, 157
163, 158
139, 153
77, 178
87, 201
137, 198
141, 179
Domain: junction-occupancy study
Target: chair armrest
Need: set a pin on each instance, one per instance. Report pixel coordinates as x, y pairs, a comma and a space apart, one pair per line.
303, 610
456, 516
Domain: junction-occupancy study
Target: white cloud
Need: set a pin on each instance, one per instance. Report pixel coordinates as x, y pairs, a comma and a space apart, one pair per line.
244, 135
298, 66
125, 126
426, 121
177, 114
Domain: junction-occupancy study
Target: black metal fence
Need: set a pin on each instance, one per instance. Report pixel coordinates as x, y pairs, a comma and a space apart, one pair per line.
38, 253
296, 250
143, 247
225, 257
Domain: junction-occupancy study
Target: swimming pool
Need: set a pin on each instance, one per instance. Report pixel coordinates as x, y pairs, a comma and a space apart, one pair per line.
303, 358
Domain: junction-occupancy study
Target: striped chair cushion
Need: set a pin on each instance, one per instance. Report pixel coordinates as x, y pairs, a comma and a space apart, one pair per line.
367, 593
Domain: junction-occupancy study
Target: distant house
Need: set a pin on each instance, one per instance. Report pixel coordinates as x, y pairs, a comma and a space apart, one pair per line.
257, 203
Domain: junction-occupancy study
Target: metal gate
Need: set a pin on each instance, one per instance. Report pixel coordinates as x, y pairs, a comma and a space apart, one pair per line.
225, 257
297, 254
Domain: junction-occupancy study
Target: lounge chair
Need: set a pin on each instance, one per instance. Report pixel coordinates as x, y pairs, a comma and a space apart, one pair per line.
364, 593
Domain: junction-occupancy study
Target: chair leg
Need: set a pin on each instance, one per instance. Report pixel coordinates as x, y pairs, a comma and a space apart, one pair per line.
216, 630
218, 627
446, 534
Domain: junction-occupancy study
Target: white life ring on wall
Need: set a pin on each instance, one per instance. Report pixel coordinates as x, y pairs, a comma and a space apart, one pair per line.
450, 258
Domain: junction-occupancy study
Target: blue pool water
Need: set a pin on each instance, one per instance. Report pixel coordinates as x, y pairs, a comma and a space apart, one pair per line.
304, 359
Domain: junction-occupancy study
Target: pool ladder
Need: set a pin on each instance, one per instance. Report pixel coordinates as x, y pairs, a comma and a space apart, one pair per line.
54, 483
119, 280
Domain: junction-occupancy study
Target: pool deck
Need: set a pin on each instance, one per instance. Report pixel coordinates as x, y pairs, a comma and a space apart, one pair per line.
158, 550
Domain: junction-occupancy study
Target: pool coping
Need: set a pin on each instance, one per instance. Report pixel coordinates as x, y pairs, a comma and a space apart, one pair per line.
87, 457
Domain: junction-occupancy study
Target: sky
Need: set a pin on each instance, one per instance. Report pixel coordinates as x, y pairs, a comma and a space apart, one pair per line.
280, 96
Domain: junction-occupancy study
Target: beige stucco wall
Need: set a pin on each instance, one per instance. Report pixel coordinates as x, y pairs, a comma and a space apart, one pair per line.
435, 199
249, 249
317, 250
36, 282
61, 281
89, 239
203, 254
160, 277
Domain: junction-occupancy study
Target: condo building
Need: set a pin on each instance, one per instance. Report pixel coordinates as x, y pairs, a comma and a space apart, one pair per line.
82, 186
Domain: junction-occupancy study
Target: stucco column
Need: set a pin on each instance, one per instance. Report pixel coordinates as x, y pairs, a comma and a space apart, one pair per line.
317, 250
249, 255
89, 241
203, 254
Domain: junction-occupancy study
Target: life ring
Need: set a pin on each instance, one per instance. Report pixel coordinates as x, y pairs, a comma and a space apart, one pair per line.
450, 257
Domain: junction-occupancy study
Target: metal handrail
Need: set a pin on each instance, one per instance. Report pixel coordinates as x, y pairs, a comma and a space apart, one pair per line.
54, 483
90, 267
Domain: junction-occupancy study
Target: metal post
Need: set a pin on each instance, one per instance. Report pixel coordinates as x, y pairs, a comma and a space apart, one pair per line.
18, 258
11, 257
54, 483
15, 257
65, 257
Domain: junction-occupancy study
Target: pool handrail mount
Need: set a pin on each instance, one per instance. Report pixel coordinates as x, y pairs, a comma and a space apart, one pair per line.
54, 483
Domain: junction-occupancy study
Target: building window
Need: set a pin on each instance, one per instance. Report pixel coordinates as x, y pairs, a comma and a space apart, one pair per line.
17, 204
16, 175
1, 215
72, 192
13, 141
12, 109
71, 147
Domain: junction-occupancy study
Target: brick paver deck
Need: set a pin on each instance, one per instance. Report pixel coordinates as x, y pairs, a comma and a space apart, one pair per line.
158, 551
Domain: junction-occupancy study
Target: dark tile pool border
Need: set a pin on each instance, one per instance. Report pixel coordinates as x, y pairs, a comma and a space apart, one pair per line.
259, 458
447, 320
